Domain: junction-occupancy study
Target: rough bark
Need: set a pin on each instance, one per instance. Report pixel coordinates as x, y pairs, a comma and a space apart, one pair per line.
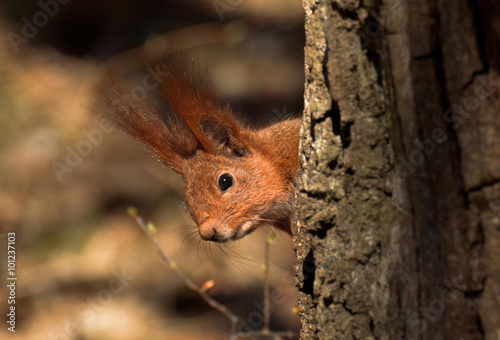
398, 233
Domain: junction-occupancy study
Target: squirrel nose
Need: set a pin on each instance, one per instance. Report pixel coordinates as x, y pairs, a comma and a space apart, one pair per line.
207, 232
210, 231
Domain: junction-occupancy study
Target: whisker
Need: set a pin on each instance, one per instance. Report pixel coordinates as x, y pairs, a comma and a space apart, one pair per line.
227, 250
231, 262
181, 227
219, 247
198, 251
190, 236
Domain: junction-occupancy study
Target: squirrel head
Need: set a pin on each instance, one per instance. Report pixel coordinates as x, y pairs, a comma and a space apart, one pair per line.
233, 190
236, 178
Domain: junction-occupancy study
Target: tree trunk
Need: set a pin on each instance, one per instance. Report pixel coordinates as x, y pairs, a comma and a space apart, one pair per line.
398, 233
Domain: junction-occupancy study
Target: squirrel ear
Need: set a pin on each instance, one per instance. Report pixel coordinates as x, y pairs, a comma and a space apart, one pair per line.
223, 137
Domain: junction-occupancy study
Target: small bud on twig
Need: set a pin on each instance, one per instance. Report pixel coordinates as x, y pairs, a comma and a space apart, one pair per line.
270, 238
151, 228
132, 211
207, 286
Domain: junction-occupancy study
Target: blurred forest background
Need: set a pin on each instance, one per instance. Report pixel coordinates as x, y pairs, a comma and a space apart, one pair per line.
85, 269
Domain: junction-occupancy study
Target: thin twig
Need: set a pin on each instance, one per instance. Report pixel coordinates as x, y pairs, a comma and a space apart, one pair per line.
267, 304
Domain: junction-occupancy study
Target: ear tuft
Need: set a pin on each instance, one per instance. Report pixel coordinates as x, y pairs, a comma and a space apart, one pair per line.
159, 129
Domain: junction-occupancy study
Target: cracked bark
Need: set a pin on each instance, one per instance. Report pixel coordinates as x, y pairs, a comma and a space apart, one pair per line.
398, 233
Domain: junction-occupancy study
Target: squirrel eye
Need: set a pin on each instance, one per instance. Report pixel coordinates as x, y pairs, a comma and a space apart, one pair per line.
225, 182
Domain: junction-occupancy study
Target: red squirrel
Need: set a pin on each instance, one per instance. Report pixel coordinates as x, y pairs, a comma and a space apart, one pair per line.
236, 178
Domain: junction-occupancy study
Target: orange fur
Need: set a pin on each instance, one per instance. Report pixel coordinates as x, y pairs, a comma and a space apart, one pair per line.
203, 141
